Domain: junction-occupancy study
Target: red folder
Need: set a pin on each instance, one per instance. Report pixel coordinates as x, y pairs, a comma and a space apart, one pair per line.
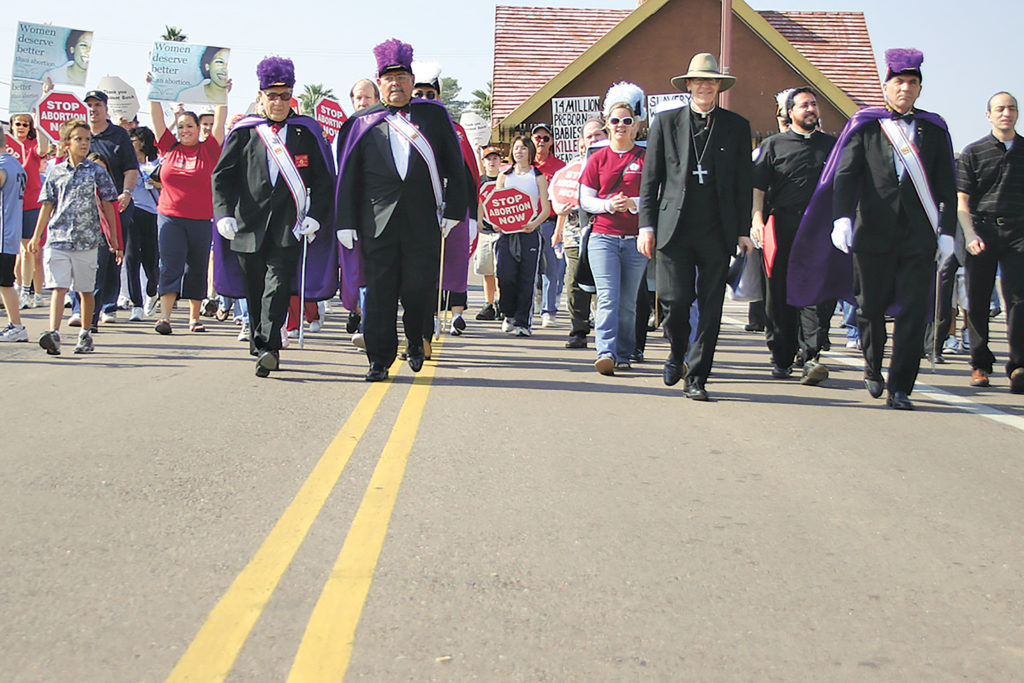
769, 245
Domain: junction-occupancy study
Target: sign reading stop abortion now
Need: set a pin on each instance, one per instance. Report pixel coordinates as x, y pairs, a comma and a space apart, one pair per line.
330, 116
58, 107
509, 209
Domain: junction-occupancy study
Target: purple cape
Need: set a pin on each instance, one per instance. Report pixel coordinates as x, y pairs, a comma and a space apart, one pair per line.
352, 259
819, 272
322, 254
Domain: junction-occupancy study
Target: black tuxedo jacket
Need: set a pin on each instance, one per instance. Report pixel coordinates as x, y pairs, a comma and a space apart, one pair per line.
370, 188
241, 188
666, 172
868, 188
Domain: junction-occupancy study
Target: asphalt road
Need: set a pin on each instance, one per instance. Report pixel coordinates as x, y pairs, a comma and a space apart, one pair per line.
509, 516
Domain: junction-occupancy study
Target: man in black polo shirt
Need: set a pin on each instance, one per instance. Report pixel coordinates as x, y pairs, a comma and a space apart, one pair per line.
114, 143
786, 169
990, 205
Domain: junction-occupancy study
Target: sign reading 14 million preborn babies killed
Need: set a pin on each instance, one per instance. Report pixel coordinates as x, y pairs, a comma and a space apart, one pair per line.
192, 74
568, 114
53, 54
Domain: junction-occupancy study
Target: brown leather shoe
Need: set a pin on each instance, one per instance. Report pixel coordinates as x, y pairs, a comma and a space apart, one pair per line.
1017, 381
979, 378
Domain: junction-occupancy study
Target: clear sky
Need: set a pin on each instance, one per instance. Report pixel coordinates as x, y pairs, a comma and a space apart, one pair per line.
970, 47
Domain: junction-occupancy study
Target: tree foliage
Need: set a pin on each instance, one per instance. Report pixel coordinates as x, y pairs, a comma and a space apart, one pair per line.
174, 34
482, 102
311, 95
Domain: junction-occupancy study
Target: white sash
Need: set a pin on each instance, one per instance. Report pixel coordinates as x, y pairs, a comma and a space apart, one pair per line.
403, 127
287, 170
906, 151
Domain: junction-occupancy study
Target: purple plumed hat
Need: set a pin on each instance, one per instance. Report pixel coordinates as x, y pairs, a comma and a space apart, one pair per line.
393, 55
903, 60
274, 72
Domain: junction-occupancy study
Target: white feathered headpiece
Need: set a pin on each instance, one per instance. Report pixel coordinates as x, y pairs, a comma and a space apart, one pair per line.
427, 73
627, 92
781, 99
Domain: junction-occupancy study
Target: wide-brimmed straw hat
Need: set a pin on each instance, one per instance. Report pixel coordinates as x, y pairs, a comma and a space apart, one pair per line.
704, 65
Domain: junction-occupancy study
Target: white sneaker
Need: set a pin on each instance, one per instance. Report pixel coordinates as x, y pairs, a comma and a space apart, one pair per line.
285, 341
38, 301
108, 317
14, 333
124, 303
243, 335
75, 320
136, 315
547, 319
853, 344
521, 331
150, 306
25, 301
506, 325
358, 341
294, 334
315, 326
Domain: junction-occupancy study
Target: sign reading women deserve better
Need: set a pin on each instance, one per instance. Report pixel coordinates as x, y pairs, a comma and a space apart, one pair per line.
192, 74
53, 54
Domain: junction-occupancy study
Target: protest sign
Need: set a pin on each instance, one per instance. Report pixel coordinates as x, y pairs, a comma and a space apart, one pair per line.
56, 108
52, 54
509, 209
192, 74
659, 103
568, 114
121, 98
330, 116
565, 186
478, 132
13, 147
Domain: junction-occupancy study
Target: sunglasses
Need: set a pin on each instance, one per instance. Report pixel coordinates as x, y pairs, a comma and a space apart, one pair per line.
20, 124
542, 138
283, 96
425, 94
625, 120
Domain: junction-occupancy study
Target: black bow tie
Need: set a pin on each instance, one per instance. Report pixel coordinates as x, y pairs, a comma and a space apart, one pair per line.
398, 110
909, 116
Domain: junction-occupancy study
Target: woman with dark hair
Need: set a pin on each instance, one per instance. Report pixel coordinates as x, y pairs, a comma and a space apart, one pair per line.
518, 254
77, 47
140, 242
30, 150
214, 87
185, 211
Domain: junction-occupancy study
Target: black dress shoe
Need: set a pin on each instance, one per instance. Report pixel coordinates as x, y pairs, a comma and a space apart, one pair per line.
695, 389
875, 387
378, 372
898, 400
416, 358
352, 324
780, 372
751, 327
576, 341
673, 373
265, 362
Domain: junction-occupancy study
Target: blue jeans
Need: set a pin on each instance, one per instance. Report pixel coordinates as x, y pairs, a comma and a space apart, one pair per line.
850, 321
618, 268
553, 272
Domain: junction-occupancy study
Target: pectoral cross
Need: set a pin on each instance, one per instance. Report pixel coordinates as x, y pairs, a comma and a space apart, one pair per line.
700, 173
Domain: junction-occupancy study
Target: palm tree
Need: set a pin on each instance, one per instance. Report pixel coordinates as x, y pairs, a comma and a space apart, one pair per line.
174, 34
482, 102
311, 96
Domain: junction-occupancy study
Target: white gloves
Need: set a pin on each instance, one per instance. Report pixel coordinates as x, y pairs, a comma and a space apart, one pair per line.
347, 238
472, 230
946, 243
446, 226
227, 227
842, 234
308, 228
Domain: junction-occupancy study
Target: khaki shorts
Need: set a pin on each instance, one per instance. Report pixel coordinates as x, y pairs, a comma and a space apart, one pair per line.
70, 269
483, 258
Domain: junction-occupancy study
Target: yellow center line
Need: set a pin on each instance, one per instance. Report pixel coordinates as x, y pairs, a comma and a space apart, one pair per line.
326, 647
213, 651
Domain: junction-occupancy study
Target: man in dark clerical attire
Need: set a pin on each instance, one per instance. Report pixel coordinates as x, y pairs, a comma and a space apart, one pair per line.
401, 183
695, 204
786, 170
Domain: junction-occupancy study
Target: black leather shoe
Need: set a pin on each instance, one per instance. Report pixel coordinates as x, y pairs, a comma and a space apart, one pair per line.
779, 372
898, 400
378, 372
576, 341
695, 389
416, 358
937, 359
875, 387
673, 373
265, 362
352, 324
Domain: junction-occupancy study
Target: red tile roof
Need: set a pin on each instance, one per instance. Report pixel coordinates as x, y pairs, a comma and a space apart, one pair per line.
534, 44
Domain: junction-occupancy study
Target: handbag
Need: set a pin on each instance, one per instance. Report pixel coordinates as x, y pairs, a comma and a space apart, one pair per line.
154, 177
745, 277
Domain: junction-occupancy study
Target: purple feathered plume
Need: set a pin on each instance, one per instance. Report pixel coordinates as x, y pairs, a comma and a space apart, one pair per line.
902, 60
275, 72
392, 54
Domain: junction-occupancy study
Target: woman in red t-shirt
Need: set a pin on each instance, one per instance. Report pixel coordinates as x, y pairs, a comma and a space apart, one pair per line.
29, 149
185, 210
610, 189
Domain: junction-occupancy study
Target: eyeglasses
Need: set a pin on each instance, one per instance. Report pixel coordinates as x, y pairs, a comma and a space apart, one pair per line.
542, 138
20, 124
625, 120
425, 94
283, 96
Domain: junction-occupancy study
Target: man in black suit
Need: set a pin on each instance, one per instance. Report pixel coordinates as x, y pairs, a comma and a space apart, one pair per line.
893, 238
402, 183
695, 204
256, 206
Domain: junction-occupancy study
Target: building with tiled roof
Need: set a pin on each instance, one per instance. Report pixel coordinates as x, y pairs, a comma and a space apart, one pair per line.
569, 54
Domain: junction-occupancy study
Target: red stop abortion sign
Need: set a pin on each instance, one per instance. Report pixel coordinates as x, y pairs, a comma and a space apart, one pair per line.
58, 107
509, 209
330, 115
565, 186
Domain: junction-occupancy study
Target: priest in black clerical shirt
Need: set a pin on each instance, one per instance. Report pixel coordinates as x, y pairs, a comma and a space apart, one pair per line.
695, 204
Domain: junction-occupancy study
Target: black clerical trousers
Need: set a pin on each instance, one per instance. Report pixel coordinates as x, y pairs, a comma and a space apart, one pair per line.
981, 275
687, 272
268, 287
880, 280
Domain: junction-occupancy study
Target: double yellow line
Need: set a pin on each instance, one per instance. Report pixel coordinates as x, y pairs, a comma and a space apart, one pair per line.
326, 647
